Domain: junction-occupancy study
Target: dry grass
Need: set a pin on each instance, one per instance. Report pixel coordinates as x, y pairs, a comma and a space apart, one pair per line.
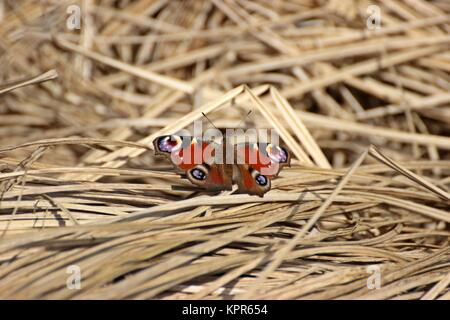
80, 185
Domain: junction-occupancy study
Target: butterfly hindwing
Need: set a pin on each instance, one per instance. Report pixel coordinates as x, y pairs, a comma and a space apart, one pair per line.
250, 180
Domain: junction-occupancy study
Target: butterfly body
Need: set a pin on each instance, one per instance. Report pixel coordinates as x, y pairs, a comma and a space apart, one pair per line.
216, 166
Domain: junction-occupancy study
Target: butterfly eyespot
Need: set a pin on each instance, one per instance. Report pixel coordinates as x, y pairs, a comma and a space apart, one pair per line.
261, 180
198, 174
277, 153
169, 143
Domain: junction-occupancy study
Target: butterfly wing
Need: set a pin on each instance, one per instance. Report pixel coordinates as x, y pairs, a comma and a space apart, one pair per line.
250, 180
256, 165
197, 159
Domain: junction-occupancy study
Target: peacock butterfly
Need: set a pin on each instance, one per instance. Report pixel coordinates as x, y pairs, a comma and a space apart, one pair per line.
217, 166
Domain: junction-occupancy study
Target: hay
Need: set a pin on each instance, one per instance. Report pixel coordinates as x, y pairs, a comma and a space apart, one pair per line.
364, 112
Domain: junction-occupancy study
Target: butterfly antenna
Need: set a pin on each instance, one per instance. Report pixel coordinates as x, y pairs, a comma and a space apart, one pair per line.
209, 120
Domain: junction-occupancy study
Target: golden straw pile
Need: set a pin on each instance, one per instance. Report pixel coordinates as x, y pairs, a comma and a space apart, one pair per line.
358, 91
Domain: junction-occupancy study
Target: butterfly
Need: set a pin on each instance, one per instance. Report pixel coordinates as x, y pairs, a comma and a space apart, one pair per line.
217, 166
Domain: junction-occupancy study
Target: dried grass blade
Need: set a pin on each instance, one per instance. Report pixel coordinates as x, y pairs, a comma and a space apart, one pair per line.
299, 129
281, 254
46, 76
376, 153
273, 120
